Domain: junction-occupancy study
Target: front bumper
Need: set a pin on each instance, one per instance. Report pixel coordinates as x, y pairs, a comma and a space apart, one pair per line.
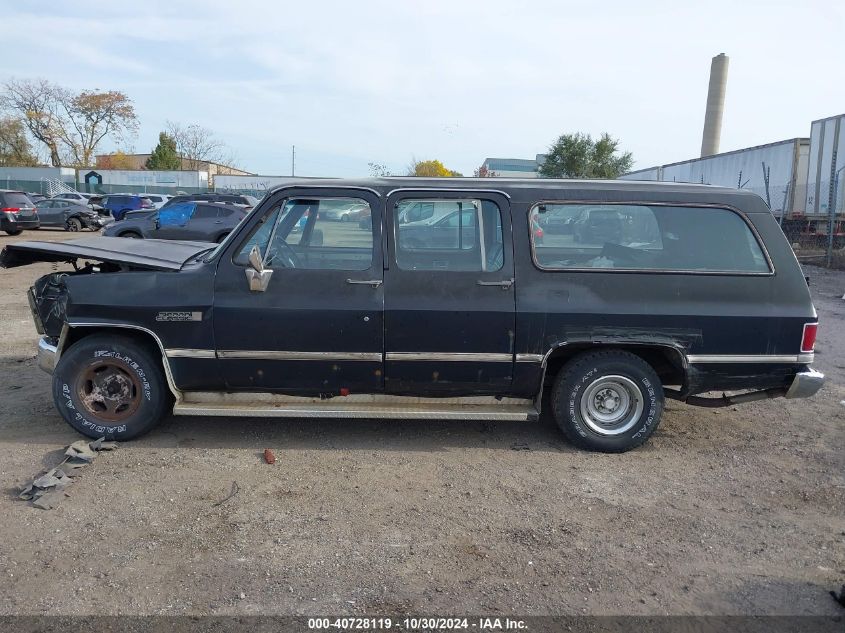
805, 384
47, 352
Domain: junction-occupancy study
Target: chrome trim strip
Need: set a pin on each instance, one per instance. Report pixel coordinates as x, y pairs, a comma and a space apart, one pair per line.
244, 354
447, 190
529, 358
331, 410
190, 353
750, 358
654, 271
449, 357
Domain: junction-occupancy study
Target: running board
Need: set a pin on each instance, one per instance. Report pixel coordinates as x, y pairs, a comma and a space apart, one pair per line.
263, 405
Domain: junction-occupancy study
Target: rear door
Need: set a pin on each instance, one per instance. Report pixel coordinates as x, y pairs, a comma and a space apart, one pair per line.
48, 212
449, 294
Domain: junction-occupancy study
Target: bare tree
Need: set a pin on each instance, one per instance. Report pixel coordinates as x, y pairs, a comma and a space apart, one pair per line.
196, 145
38, 105
70, 124
379, 169
90, 116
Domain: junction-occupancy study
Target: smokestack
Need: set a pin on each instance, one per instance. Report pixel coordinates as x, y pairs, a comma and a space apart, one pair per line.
715, 105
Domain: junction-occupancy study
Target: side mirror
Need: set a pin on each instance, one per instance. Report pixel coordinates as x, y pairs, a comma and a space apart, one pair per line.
257, 275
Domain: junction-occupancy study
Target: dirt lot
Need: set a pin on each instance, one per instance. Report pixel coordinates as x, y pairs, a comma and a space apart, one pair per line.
727, 511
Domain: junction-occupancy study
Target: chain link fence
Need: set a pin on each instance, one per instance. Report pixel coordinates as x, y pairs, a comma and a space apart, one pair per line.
43, 187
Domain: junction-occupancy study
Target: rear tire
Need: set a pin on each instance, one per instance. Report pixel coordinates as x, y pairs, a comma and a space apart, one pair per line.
17, 232
609, 401
73, 225
110, 386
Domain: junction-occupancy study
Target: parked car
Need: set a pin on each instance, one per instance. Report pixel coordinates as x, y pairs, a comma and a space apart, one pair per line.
158, 200
69, 215
598, 225
195, 221
17, 212
82, 198
118, 204
35, 197
697, 292
245, 201
345, 212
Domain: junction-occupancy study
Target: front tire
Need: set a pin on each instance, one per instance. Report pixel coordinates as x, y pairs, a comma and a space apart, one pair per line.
609, 401
73, 225
132, 235
110, 386
15, 232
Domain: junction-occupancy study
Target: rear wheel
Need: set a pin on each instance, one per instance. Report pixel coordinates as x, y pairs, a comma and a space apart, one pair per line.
110, 386
132, 235
73, 225
609, 401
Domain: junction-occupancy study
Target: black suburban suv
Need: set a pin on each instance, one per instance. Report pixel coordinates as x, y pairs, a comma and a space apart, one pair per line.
674, 291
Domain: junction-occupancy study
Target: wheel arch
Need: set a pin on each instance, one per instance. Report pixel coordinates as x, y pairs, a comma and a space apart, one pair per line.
74, 332
668, 360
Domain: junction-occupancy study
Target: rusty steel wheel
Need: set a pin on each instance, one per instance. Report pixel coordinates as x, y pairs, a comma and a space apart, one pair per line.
109, 390
110, 385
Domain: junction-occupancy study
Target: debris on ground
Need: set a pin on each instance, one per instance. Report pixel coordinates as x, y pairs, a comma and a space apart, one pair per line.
48, 489
269, 457
231, 494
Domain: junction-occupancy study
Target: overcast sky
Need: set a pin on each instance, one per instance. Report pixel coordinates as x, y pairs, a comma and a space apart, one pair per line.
354, 82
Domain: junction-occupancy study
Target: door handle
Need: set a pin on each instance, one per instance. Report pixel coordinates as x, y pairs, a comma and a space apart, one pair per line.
375, 283
504, 284
218, 221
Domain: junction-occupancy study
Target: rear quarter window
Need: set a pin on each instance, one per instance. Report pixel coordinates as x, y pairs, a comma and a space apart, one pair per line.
16, 200
657, 238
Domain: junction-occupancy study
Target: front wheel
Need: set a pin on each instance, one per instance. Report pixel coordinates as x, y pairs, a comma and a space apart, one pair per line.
132, 235
609, 401
110, 386
15, 232
73, 225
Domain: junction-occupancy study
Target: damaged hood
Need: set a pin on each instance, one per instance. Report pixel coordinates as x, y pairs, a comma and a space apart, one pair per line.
143, 254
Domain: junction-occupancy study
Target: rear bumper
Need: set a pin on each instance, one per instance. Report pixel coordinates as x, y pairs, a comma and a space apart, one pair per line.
18, 224
47, 352
805, 384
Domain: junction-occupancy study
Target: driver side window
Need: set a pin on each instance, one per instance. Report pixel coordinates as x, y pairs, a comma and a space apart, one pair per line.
314, 234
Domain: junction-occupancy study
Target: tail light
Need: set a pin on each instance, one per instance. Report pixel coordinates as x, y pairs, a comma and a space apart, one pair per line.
10, 209
808, 339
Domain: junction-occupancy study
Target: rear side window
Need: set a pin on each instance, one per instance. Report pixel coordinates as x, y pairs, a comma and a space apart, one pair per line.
16, 200
641, 237
205, 211
448, 235
176, 215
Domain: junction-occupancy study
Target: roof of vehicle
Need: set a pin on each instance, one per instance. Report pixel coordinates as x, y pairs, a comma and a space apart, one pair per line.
533, 189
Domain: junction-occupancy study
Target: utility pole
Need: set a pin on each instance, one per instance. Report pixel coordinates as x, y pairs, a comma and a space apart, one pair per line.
292, 160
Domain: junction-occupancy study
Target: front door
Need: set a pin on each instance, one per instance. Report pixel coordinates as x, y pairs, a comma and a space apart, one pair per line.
318, 327
449, 294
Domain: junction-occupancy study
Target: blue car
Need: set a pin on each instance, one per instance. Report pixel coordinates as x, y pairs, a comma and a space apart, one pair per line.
118, 204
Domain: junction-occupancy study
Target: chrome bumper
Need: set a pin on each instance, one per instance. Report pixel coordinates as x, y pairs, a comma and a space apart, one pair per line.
805, 384
47, 352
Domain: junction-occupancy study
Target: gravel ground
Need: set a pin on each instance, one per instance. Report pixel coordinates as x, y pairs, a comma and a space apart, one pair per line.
727, 511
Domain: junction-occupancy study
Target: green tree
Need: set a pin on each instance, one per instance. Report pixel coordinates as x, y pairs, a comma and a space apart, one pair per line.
164, 155
431, 169
15, 150
579, 156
